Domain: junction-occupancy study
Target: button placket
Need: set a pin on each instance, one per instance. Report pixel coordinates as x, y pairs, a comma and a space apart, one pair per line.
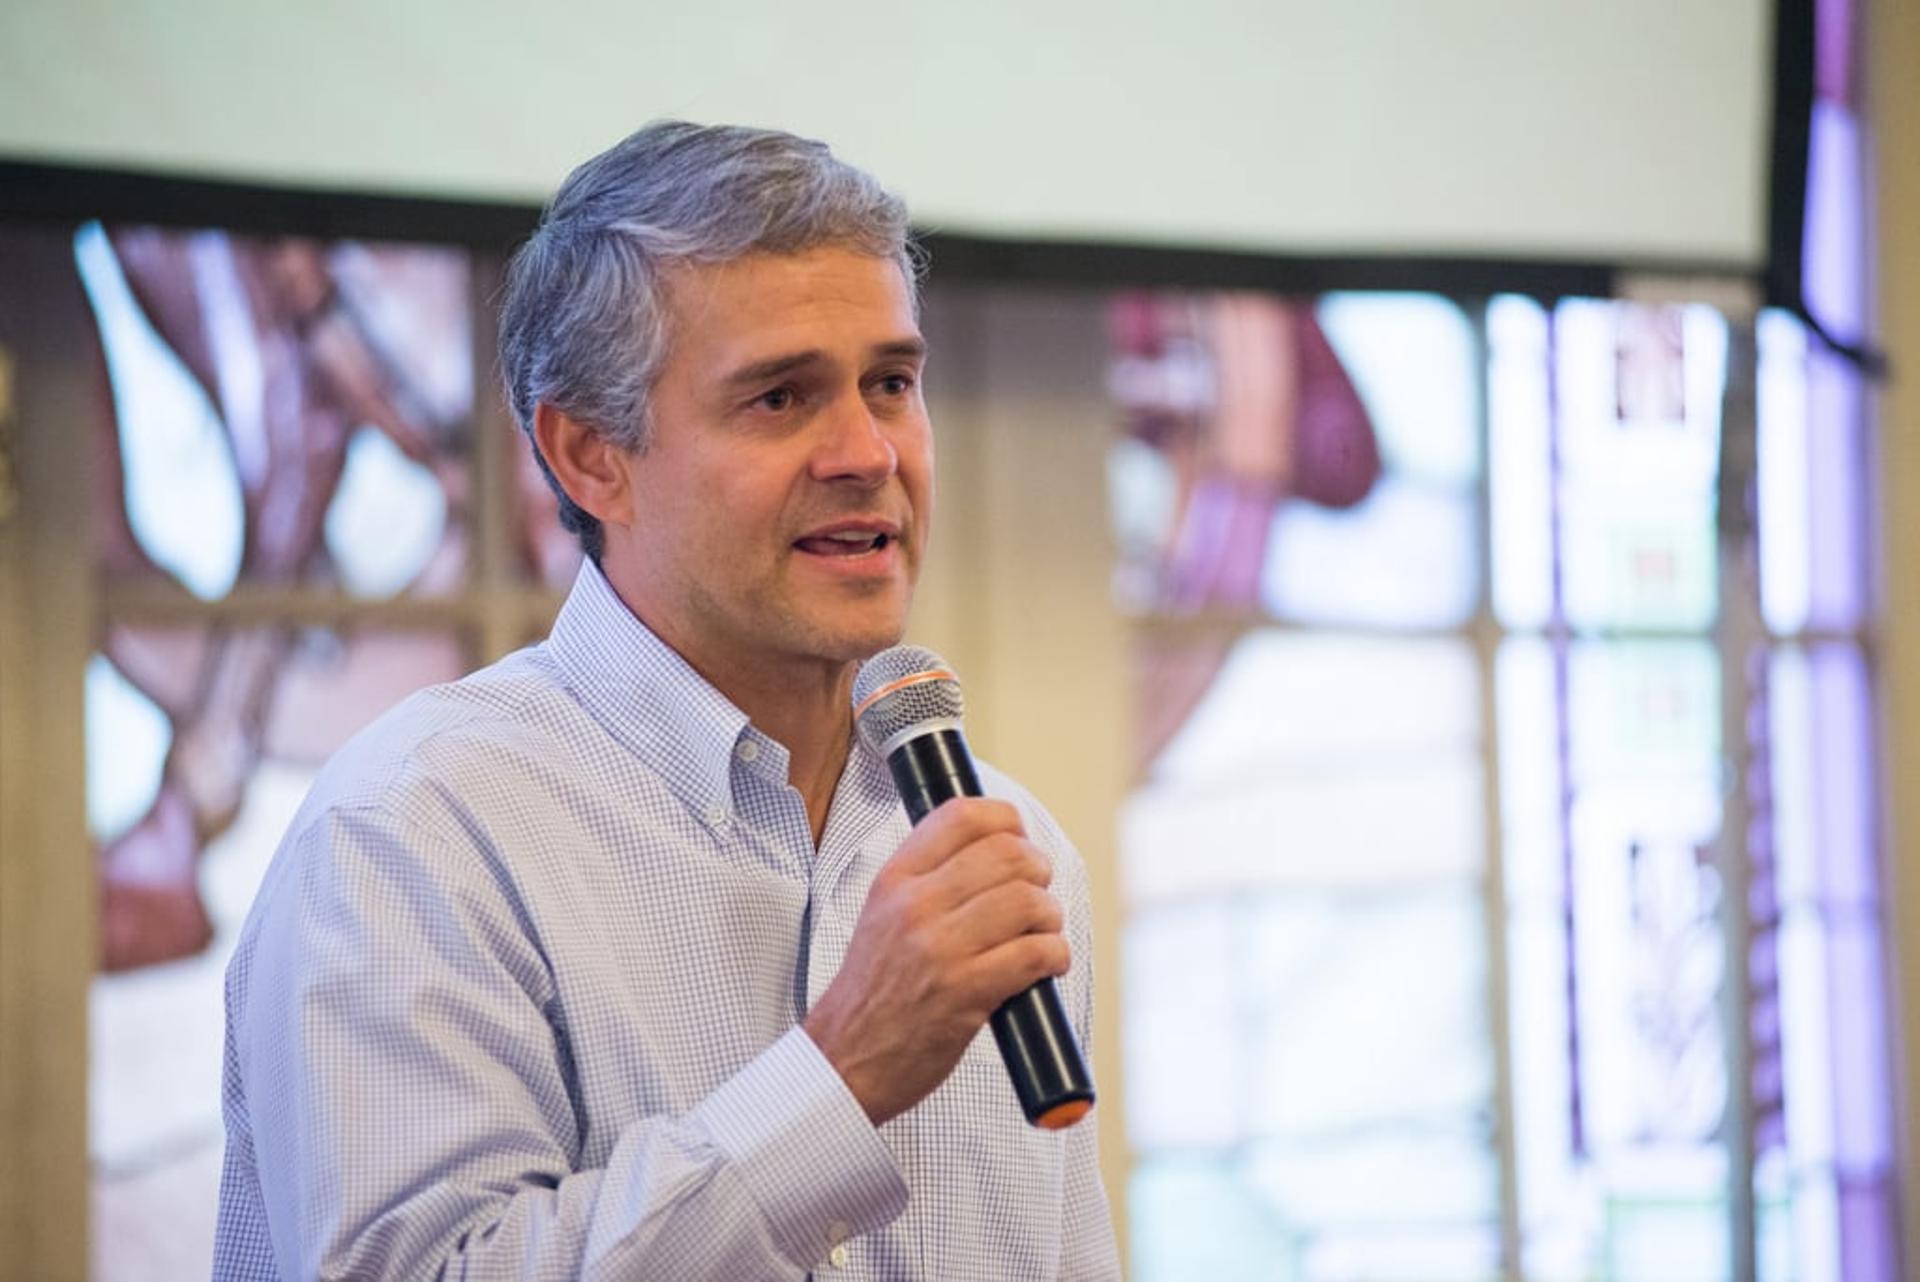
819, 971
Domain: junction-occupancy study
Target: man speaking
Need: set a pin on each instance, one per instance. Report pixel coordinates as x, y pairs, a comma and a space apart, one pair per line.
620, 958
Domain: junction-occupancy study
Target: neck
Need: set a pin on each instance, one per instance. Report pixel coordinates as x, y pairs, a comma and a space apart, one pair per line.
806, 705
809, 712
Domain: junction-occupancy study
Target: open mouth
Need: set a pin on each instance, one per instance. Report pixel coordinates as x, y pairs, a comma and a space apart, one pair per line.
846, 543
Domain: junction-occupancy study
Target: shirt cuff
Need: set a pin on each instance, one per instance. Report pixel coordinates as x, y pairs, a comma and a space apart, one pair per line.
817, 1168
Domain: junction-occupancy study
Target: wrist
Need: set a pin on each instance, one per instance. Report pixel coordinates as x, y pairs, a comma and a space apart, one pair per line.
825, 1033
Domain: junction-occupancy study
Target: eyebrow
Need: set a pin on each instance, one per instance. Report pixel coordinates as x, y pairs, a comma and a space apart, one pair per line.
775, 367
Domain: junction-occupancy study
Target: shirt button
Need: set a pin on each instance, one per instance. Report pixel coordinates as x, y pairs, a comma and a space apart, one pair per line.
717, 816
838, 1257
747, 750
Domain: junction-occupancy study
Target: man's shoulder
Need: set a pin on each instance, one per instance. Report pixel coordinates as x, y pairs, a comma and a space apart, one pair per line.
450, 737
418, 786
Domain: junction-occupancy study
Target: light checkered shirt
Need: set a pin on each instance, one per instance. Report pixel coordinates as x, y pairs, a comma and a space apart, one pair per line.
519, 998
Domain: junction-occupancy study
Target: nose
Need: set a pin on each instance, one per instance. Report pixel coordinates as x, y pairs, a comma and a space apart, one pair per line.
853, 445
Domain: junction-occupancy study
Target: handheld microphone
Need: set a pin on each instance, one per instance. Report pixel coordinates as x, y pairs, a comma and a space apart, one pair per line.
908, 708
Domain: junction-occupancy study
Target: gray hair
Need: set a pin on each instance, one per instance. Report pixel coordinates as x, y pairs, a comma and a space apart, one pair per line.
583, 324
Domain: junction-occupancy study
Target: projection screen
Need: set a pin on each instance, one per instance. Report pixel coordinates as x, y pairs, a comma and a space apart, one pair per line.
1630, 131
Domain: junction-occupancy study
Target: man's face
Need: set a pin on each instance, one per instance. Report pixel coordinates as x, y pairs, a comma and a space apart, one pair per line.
781, 507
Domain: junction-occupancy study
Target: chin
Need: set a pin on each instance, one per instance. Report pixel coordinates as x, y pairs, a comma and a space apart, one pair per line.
857, 642
864, 646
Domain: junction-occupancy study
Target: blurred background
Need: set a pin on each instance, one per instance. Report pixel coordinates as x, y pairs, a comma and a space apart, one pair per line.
1424, 496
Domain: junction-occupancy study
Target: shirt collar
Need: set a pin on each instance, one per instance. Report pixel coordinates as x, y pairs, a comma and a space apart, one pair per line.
651, 700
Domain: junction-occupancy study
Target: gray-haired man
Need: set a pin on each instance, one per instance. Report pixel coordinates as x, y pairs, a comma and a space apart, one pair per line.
619, 958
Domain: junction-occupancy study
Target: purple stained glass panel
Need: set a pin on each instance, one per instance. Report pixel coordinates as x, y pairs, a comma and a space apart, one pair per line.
1865, 1127
249, 716
1314, 459
1844, 1207
1869, 1231
1842, 740
284, 411
1837, 568
1837, 285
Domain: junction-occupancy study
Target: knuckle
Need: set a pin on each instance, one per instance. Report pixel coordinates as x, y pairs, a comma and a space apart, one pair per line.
998, 912
1010, 860
962, 812
1039, 867
1049, 914
917, 914
1017, 859
946, 823
1048, 955
993, 860
1007, 816
891, 874
987, 816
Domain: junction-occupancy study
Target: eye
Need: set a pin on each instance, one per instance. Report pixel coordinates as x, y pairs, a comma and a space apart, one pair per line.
778, 399
896, 384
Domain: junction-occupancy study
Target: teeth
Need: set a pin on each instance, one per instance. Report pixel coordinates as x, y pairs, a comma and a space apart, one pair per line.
848, 542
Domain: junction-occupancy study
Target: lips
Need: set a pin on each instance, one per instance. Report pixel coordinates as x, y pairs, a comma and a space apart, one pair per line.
849, 539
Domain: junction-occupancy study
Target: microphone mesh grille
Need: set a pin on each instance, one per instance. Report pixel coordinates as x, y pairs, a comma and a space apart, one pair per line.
910, 705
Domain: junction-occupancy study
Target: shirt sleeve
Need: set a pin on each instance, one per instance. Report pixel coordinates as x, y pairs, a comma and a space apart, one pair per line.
408, 1098
1088, 1251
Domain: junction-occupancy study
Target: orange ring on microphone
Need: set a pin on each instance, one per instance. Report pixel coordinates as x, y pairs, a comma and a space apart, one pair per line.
911, 679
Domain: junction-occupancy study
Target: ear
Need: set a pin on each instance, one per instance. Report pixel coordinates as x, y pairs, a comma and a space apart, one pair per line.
590, 468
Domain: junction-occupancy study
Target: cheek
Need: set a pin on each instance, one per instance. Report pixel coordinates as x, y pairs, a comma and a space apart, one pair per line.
740, 501
913, 452
916, 471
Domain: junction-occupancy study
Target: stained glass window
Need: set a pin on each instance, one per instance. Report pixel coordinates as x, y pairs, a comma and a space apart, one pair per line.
1313, 460
1310, 1072
1313, 984
287, 436
1604, 426
1824, 1178
222, 731
1638, 400
285, 411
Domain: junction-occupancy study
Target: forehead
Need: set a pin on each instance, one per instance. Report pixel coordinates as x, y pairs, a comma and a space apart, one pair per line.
757, 305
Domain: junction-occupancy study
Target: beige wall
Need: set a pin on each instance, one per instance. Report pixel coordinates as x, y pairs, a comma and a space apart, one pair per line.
46, 868
1894, 49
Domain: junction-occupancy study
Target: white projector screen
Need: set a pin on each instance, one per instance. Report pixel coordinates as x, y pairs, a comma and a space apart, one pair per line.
1622, 131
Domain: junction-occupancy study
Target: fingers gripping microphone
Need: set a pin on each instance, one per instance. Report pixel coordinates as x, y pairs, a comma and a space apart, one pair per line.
907, 705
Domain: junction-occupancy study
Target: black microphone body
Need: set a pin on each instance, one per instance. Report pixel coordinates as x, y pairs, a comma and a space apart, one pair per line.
1043, 1058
